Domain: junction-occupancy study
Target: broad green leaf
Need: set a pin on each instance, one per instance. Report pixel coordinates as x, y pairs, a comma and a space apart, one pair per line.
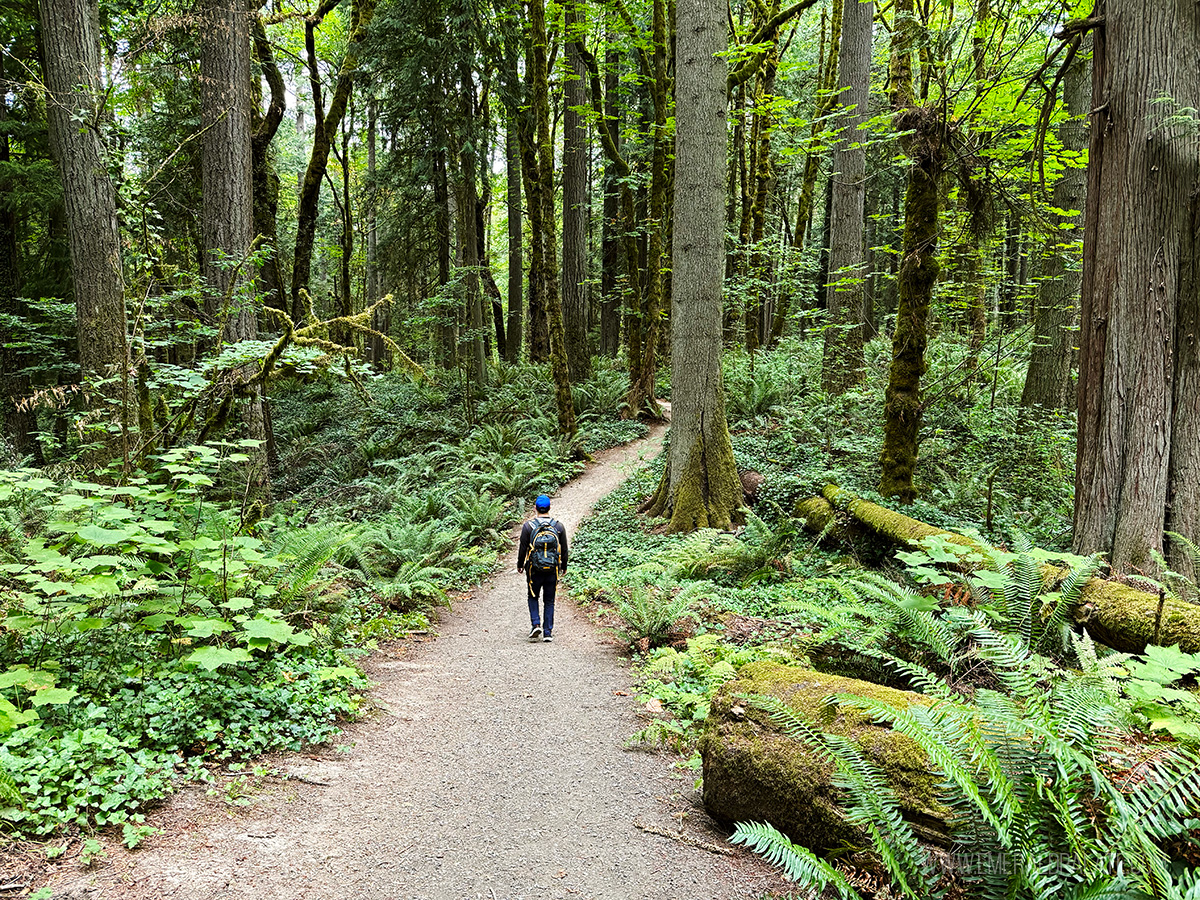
271, 629
912, 557
211, 658
1172, 658
105, 537
54, 696
92, 623
328, 673
236, 603
203, 627
26, 677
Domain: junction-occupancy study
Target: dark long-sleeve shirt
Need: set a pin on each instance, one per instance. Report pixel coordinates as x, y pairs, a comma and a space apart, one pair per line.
527, 532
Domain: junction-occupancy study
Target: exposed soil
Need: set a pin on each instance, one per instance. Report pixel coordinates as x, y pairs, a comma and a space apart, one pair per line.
493, 769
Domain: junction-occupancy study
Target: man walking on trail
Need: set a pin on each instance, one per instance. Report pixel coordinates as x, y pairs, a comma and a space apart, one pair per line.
542, 555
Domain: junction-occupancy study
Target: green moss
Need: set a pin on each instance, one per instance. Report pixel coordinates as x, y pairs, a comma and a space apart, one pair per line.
1124, 617
887, 523
753, 772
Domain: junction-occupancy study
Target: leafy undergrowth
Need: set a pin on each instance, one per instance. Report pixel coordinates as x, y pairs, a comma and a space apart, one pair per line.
151, 631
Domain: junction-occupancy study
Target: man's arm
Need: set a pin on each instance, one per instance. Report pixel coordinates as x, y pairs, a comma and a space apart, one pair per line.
562, 540
523, 547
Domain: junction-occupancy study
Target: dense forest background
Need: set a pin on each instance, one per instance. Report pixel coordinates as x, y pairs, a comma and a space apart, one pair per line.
300, 305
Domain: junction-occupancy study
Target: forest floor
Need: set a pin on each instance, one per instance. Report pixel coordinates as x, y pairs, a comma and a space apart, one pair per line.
492, 768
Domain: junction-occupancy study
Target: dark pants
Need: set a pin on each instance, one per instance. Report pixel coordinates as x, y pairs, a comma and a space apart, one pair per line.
545, 582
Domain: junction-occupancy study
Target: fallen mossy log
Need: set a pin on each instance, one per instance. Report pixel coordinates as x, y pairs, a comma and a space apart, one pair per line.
1118, 615
754, 772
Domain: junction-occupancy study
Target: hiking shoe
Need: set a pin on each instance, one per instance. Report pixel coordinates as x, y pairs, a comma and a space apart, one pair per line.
535, 632
546, 639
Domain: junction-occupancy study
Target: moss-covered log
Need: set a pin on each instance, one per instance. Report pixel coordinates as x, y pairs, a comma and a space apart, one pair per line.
1115, 614
755, 773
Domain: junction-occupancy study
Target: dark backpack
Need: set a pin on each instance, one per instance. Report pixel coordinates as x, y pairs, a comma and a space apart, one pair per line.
543, 548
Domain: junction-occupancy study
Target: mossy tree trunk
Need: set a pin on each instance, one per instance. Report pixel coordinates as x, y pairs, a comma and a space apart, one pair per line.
516, 242
700, 486
643, 280
610, 241
263, 175
576, 202
925, 146
468, 209
648, 326
764, 183
70, 31
843, 364
1138, 464
549, 264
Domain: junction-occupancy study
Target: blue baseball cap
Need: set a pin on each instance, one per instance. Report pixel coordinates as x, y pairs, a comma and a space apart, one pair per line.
542, 503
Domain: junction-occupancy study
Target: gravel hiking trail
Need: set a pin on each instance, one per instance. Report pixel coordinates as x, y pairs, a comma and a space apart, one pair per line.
494, 768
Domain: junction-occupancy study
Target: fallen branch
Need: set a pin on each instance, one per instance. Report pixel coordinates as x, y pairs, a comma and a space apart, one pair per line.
707, 846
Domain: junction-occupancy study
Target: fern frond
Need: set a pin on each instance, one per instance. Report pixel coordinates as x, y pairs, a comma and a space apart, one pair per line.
799, 864
935, 731
9, 794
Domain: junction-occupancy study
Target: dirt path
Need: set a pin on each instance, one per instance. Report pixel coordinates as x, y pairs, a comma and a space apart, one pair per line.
494, 770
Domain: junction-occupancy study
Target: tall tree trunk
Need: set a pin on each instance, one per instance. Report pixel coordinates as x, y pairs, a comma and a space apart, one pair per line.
539, 328
1047, 383
516, 241
925, 146
1139, 396
381, 321
325, 129
545, 161
468, 210
227, 217
700, 487
648, 326
265, 178
576, 203
764, 182
70, 42
843, 365
446, 336
610, 241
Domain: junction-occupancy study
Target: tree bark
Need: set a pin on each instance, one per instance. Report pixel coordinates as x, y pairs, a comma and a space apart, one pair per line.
843, 364
1047, 383
468, 210
516, 241
1138, 434
700, 486
70, 42
925, 145
545, 161
227, 216
610, 241
575, 203
764, 182
646, 322
264, 176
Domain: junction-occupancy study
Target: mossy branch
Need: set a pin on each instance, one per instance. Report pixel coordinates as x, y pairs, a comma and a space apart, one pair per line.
1119, 615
